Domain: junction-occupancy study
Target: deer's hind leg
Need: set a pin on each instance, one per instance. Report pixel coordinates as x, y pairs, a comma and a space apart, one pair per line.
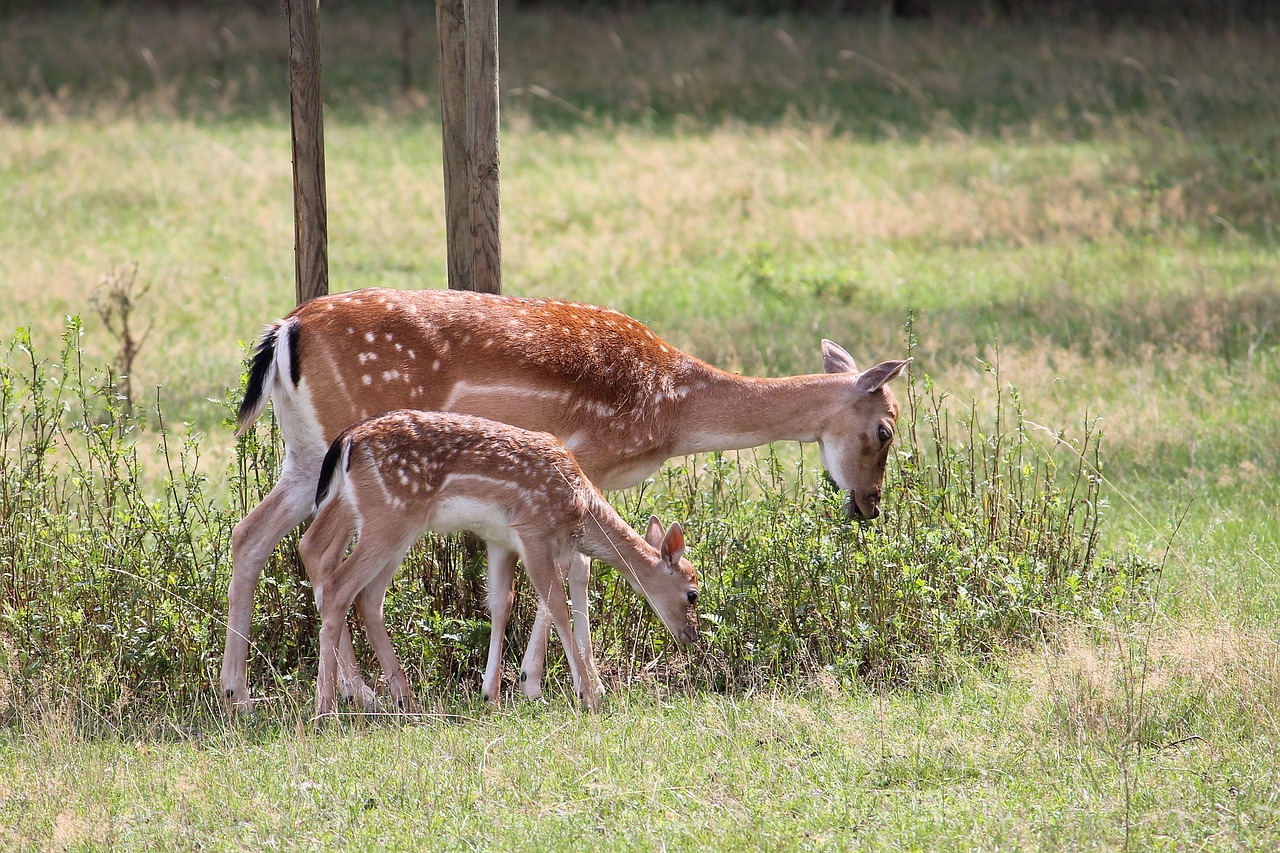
322, 549
287, 505
369, 601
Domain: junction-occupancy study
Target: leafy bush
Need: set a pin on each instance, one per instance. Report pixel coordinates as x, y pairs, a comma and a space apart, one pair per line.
987, 540
116, 562
105, 588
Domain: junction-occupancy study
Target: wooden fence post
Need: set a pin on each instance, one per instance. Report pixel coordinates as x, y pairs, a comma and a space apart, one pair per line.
451, 33
468, 35
482, 127
310, 215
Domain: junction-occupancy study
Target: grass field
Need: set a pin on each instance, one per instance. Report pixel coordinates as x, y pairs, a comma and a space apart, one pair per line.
1094, 212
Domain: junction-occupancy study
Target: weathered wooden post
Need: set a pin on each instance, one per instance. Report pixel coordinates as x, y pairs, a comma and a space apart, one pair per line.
468, 37
482, 128
306, 107
467, 32
451, 34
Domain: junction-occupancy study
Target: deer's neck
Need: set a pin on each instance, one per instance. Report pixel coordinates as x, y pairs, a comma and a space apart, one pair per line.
606, 537
730, 412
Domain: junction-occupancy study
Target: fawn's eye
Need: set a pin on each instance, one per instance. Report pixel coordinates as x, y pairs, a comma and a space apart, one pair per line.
692, 596
884, 434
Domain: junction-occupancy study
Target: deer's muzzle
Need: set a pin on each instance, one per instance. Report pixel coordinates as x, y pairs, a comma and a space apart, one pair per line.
865, 507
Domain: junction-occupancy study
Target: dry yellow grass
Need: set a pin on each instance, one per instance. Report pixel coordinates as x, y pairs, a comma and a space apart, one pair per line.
1188, 676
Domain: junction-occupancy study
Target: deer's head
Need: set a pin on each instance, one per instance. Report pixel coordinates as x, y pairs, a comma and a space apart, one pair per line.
855, 442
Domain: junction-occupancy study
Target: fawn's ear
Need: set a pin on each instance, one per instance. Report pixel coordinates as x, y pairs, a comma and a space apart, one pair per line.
836, 360
654, 534
673, 544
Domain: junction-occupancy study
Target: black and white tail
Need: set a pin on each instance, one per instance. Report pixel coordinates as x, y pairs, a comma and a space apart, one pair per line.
269, 360
331, 472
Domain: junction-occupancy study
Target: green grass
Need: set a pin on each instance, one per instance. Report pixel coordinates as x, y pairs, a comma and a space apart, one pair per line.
1094, 212
990, 763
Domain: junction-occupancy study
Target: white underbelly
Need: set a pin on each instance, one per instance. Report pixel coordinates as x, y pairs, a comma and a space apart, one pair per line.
486, 519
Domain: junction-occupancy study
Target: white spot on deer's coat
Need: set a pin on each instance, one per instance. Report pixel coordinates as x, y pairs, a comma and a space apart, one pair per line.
367, 379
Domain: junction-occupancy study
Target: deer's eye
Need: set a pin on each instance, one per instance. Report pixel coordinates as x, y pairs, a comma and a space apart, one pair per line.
884, 434
692, 596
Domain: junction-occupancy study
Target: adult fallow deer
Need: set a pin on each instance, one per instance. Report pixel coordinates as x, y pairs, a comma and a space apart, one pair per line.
618, 396
388, 478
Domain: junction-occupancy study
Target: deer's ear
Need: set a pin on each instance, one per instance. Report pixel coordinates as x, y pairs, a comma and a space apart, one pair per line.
654, 534
836, 360
877, 376
673, 545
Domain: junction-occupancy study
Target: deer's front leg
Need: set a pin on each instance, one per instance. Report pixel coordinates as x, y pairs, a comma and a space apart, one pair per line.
579, 589
502, 567
549, 582
533, 665
535, 654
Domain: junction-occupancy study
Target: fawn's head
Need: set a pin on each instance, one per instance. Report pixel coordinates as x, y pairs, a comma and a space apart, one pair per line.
673, 587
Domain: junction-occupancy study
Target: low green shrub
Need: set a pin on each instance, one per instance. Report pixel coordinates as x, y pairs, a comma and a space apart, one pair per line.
111, 567
989, 538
